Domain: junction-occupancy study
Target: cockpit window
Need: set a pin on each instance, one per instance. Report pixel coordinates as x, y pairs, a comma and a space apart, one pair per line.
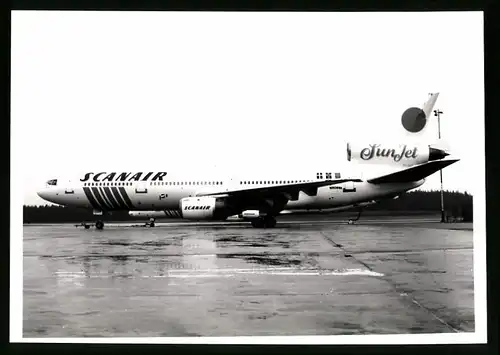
52, 182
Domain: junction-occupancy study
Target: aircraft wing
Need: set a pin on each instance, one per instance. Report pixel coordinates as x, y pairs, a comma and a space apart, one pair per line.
288, 191
414, 173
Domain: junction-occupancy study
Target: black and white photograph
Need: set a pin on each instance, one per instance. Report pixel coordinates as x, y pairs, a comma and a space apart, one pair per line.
247, 177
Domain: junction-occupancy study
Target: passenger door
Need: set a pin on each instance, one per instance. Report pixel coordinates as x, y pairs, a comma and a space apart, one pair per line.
348, 187
141, 188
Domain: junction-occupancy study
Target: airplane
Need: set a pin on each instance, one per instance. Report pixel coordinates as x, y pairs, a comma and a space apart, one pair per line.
261, 197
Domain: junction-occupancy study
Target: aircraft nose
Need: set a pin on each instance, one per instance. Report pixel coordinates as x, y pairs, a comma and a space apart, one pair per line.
43, 194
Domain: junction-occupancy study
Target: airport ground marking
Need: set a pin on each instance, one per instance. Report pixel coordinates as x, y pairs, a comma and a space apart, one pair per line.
402, 293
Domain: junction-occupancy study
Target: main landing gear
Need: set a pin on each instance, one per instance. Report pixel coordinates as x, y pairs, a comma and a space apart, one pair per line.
99, 225
151, 222
264, 222
352, 220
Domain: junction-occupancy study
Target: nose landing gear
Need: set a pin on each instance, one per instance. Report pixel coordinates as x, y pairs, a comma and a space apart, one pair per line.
352, 220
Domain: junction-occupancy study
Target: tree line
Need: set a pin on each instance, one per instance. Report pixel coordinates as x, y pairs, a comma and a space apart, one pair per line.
456, 204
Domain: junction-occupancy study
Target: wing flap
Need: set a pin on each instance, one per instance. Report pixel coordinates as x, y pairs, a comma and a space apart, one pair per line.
413, 173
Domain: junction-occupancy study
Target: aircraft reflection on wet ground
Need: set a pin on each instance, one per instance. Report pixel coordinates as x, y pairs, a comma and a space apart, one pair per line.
322, 279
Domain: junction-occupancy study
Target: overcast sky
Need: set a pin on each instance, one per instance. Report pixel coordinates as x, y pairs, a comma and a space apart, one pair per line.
145, 91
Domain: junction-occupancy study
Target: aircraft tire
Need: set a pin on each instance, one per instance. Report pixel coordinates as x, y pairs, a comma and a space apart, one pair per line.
99, 225
269, 222
266, 222
257, 223
86, 226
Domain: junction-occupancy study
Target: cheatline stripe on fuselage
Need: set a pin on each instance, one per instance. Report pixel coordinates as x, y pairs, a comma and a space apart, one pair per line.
126, 198
118, 198
110, 198
99, 198
91, 198
106, 202
110, 202
173, 213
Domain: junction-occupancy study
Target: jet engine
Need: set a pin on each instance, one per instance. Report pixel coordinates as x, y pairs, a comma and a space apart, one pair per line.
202, 208
394, 154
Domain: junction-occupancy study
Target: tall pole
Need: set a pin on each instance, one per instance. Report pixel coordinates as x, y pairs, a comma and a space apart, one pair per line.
438, 114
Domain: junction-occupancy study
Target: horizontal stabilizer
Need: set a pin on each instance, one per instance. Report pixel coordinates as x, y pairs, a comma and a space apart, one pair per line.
415, 173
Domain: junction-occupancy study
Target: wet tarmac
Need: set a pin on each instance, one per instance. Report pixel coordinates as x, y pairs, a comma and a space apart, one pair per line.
189, 279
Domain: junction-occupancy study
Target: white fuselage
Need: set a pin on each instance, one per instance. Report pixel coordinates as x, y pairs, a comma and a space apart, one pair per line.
163, 191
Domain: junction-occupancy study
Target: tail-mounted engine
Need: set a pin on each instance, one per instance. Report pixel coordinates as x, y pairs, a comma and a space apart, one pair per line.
393, 154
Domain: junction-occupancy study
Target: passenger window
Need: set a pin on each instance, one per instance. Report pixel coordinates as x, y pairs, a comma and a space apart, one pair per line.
337, 175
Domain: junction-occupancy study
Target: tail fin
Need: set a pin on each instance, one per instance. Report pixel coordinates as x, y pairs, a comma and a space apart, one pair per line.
429, 104
415, 120
418, 146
